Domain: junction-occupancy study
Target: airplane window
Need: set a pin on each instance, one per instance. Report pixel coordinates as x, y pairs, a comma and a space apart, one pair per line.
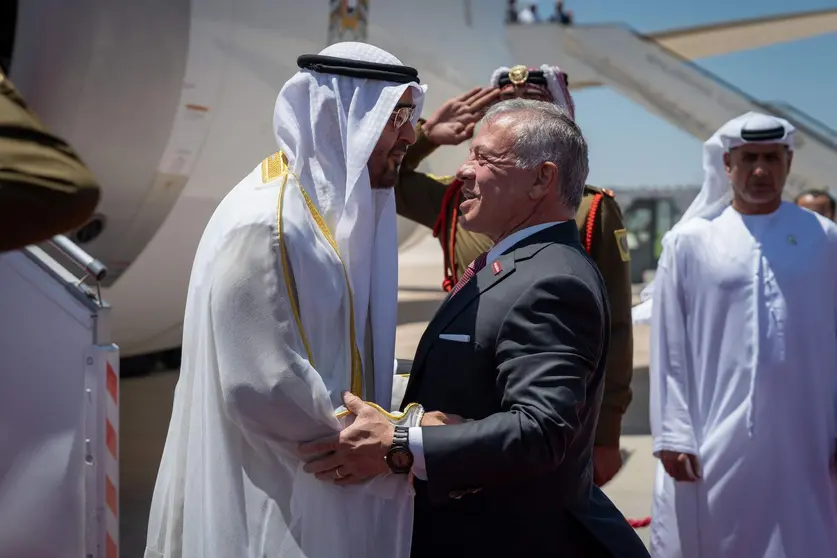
90, 230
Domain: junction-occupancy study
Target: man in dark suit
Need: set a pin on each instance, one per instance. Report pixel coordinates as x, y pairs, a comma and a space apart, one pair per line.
512, 366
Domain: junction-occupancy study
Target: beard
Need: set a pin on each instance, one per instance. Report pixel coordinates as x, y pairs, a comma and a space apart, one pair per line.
389, 177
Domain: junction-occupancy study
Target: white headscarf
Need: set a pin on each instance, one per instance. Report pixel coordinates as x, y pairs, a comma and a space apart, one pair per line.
555, 83
716, 193
330, 162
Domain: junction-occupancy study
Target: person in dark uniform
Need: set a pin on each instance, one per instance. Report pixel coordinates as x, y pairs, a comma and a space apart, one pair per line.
45, 189
434, 202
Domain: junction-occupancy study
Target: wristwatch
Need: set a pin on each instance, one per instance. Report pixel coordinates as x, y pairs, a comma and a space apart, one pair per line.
399, 457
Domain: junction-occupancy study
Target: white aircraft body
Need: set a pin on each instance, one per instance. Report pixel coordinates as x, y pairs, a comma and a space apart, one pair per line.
170, 103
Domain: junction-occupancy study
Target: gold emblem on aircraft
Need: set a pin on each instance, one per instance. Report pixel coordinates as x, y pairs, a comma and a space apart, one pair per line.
347, 20
518, 75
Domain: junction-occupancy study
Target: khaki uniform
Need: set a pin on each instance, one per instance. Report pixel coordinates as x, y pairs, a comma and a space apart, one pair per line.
45, 189
420, 198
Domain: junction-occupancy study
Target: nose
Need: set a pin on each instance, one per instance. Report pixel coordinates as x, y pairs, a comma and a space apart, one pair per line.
466, 172
760, 170
408, 133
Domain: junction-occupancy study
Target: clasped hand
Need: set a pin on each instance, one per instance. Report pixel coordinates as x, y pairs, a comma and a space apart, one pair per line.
358, 453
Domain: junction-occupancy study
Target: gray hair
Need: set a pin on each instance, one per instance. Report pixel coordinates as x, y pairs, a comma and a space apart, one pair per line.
545, 132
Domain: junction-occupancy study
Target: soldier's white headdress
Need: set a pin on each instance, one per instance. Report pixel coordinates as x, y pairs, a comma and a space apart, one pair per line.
551, 77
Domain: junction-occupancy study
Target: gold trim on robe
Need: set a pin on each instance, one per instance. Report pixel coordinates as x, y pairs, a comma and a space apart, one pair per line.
274, 168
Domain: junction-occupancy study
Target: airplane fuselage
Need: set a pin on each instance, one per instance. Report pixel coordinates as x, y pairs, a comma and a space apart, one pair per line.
170, 103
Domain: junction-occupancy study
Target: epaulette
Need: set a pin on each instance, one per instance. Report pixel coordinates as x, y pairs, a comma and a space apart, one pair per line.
596, 190
442, 179
273, 167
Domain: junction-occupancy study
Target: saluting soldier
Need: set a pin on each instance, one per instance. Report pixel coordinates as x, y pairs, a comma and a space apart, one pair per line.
45, 189
434, 202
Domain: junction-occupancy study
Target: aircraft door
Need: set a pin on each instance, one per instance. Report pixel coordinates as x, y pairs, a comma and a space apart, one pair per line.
647, 220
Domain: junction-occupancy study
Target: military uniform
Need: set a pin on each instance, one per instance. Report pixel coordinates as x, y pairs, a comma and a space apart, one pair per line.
430, 201
45, 189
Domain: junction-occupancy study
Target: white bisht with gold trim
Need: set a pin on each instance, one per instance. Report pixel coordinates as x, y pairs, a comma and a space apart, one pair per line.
296, 269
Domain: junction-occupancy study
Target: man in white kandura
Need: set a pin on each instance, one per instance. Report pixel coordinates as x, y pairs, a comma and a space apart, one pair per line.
292, 300
744, 362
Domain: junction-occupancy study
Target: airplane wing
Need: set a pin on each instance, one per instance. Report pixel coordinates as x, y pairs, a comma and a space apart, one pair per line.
724, 38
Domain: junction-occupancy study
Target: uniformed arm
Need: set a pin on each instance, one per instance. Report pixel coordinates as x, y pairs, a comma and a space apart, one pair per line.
615, 270
419, 196
268, 385
547, 349
45, 189
452, 123
671, 423
469, 245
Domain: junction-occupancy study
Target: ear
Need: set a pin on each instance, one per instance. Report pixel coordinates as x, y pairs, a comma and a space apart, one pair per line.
727, 163
545, 180
790, 160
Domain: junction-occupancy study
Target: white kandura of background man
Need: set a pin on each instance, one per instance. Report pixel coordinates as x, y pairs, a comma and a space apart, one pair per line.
744, 362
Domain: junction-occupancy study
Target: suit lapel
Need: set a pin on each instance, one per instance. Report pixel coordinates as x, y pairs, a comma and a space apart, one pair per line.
565, 233
454, 305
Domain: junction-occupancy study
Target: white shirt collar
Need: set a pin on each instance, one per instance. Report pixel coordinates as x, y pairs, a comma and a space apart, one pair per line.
515, 238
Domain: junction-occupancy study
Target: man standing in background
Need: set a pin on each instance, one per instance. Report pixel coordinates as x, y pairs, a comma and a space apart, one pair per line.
818, 201
744, 361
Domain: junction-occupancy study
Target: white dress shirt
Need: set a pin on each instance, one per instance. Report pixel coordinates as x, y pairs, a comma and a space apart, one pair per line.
415, 440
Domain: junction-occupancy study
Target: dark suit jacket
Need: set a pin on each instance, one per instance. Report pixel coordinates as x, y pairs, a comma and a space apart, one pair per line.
517, 481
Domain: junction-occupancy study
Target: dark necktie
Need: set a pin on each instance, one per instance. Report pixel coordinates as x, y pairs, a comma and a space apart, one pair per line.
472, 270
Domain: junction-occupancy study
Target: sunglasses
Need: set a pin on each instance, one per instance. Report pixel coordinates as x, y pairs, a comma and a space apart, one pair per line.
401, 115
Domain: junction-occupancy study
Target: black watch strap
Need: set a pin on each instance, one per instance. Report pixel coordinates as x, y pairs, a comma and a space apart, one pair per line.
401, 437
399, 457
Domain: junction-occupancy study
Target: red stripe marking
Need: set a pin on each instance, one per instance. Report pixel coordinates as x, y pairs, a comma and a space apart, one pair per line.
640, 523
110, 548
591, 222
112, 384
110, 440
111, 498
